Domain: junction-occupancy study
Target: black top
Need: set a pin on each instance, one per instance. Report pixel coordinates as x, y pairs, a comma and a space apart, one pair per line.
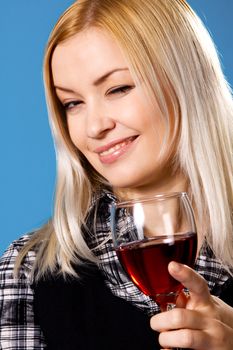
227, 292
84, 314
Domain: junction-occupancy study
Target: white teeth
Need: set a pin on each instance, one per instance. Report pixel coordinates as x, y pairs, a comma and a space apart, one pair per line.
114, 148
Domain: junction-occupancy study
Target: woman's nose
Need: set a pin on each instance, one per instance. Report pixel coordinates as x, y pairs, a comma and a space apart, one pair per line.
99, 123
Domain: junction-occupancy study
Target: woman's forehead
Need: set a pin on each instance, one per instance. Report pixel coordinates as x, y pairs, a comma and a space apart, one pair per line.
92, 51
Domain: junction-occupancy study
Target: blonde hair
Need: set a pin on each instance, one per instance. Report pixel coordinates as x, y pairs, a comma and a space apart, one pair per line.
168, 48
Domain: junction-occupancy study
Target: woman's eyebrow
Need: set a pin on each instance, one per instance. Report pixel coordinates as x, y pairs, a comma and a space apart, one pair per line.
63, 89
106, 75
97, 82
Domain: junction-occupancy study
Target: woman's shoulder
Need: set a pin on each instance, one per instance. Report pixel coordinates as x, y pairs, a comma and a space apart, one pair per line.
17, 320
214, 272
9, 257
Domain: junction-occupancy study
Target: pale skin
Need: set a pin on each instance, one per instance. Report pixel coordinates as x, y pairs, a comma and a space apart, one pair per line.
105, 109
200, 321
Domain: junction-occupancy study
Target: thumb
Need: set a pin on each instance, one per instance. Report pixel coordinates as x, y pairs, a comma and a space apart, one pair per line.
197, 286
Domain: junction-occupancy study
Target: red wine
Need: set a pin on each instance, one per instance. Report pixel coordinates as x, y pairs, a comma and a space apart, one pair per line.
146, 261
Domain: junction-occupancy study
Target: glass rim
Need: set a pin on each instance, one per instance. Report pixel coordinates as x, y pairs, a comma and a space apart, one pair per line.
159, 197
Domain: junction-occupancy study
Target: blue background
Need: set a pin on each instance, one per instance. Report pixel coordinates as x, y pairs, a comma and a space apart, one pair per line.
27, 173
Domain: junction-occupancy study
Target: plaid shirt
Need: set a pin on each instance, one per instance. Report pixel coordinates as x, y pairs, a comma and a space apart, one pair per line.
18, 330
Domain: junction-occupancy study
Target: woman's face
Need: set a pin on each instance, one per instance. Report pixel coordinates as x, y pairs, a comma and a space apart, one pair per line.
109, 118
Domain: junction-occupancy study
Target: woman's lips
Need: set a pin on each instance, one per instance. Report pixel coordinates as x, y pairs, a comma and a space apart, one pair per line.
111, 152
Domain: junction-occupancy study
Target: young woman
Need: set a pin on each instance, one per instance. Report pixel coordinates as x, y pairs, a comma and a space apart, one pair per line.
138, 106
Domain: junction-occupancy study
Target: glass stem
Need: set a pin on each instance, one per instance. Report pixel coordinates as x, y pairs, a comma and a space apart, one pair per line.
167, 302
167, 306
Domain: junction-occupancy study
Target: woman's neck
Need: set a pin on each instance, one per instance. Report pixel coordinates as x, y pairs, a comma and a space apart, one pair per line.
175, 183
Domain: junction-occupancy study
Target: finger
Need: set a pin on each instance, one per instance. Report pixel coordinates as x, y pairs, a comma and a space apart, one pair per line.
196, 284
218, 337
177, 319
185, 338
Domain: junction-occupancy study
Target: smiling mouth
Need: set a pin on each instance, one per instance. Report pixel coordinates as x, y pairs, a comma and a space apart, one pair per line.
117, 147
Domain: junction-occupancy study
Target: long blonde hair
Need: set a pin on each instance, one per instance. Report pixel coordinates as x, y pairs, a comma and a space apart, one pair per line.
168, 48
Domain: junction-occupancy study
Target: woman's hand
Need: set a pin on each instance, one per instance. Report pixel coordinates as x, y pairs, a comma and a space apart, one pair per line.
200, 322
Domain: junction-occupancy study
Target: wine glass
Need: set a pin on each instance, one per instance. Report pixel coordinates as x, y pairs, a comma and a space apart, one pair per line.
148, 233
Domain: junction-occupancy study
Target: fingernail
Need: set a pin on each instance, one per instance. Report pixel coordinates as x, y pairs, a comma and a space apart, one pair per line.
176, 267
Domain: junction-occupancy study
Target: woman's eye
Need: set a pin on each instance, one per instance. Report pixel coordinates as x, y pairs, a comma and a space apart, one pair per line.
120, 89
71, 105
